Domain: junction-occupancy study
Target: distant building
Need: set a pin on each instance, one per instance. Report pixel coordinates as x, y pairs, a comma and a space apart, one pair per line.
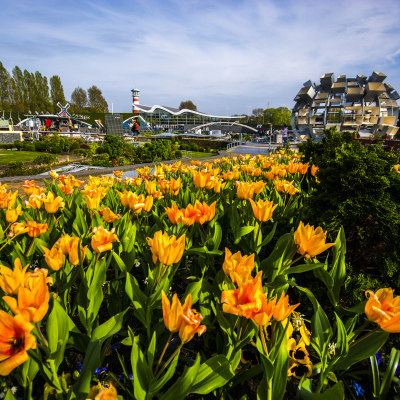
361, 105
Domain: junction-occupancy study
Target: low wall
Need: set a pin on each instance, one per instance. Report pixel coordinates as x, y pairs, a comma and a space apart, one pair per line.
387, 144
10, 137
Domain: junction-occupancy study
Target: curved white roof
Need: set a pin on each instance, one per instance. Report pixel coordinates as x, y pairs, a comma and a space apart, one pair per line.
175, 111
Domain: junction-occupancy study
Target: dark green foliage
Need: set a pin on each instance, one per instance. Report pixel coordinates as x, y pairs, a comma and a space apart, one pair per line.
113, 146
360, 190
56, 149
28, 147
178, 154
46, 159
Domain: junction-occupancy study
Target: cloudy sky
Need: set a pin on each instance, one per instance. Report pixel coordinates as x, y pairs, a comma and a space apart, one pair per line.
224, 55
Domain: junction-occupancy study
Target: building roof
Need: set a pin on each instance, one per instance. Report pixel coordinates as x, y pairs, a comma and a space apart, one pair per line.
176, 111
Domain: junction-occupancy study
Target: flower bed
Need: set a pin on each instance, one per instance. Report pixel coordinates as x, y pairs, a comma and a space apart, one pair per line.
176, 284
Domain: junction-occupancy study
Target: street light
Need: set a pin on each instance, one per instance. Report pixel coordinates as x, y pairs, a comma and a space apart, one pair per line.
227, 111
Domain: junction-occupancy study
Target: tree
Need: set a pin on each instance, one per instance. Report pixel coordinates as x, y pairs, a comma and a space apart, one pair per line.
96, 99
188, 104
277, 116
56, 92
258, 111
79, 98
15, 101
113, 146
4, 92
30, 84
42, 92
18, 77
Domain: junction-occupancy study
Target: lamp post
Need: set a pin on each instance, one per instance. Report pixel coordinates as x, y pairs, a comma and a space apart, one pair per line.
248, 113
227, 111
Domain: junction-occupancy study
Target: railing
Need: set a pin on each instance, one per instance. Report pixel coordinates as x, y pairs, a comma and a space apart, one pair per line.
231, 145
187, 154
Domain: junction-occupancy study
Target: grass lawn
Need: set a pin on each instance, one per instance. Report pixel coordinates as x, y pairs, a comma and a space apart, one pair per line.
198, 154
7, 156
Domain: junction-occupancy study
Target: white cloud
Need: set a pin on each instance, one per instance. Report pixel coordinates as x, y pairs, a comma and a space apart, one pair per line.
220, 54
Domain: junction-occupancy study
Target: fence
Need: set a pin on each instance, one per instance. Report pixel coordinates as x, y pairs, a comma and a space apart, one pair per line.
187, 154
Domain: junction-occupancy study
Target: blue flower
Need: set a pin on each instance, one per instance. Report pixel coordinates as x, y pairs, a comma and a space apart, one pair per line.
378, 357
100, 370
176, 340
359, 390
106, 386
80, 365
115, 346
131, 376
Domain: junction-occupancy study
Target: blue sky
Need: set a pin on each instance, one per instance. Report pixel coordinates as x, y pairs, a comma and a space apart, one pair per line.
222, 55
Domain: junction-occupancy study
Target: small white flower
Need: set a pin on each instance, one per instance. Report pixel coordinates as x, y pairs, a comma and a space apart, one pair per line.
332, 348
14, 390
170, 289
137, 264
145, 281
297, 321
2, 395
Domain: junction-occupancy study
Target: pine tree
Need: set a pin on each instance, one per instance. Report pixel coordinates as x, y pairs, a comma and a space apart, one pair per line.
15, 101
56, 92
31, 90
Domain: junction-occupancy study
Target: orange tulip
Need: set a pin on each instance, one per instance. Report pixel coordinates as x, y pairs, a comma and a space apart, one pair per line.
32, 304
31, 278
167, 249
29, 187
35, 201
206, 212
245, 190
174, 214
314, 170
63, 244
164, 186
173, 314
102, 239
310, 241
15, 341
292, 167
66, 187
7, 200
118, 174
35, 229
54, 258
303, 168
151, 187
108, 215
12, 280
281, 309
218, 186
191, 321
263, 209
76, 182
384, 309
136, 203
189, 215
236, 264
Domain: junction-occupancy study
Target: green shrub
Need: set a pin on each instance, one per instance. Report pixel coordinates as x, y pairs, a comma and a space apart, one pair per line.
18, 144
45, 159
28, 147
178, 154
56, 149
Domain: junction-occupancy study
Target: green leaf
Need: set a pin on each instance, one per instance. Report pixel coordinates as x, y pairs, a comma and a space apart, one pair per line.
389, 373
338, 271
193, 289
301, 268
281, 365
217, 235
362, 350
342, 346
142, 374
321, 333
212, 374
119, 262
182, 387
334, 393
92, 358
269, 236
137, 297
242, 232
151, 350
157, 386
9, 395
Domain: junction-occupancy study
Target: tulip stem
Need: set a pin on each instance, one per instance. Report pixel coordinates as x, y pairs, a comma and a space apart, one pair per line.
5, 230
264, 344
42, 339
297, 259
363, 326
365, 336
30, 247
162, 354
8, 242
169, 360
258, 233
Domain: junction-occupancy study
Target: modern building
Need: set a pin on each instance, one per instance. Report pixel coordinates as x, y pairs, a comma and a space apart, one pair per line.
159, 117
365, 106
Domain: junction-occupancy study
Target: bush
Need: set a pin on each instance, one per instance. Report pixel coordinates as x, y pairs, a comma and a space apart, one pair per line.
28, 147
18, 144
178, 154
56, 149
45, 159
41, 146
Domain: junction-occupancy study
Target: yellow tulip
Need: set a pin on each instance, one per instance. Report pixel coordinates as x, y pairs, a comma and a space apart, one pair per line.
63, 244
175, 185
107, 393
384, 309
310, 241
118, 174
102, 239
73, 251
201, 178
52, 204
136, 203
32, 278
263, 209
12, 280
54, 258
108, 215
167, 249
151, 187
191, 321
164, 186
35, 201
245, 190
29, 187
18, 228
218, 186
281, 309
12, 214
124, 197
236, 264
53, 174
148, 203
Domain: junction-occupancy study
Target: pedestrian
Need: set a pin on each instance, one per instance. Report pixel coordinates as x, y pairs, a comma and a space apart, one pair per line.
285, 134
